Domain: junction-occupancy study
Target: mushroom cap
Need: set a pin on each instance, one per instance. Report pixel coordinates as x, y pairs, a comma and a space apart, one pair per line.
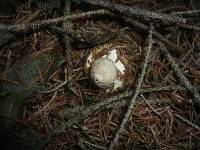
104, 72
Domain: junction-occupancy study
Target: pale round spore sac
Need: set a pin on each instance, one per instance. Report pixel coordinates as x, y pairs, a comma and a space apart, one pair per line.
104, 72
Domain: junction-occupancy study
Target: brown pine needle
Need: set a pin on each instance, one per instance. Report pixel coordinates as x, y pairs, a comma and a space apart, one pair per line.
187, 121
132, 102
183, 80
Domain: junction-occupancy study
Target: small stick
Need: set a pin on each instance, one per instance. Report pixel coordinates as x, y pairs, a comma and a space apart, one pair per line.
67, 48
181, 59
146, 15
42, 111
132, 102
151, 107
156, 89
136, 12
174, 48
190, 13
94, 145
187, 121
25, 27
108, 103
79, 114
189, 27
53, 88
183, 80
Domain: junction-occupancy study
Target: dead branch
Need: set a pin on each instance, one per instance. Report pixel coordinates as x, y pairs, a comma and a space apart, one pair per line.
181, 60
183, 80
78, 114
67, 47
136, 12
133, 100
25, 27
174, 48
146, 15
108, 103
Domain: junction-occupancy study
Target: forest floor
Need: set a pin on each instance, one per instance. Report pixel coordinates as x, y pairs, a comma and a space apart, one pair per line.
49, 101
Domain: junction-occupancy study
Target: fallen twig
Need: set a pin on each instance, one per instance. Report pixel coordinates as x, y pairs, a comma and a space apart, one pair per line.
189, 27
187, 121
133, 100
25, 27
174, 48
190, 13
136, 12
9, 37
107, 103
151, 107
181, 60
146, 15
52, 88
66, 44
78, 114
183, 80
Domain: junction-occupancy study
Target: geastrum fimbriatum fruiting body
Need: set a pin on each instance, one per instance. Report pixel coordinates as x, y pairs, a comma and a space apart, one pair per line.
109, 67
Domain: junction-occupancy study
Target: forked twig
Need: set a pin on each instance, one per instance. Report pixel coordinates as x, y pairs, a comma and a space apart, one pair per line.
133, 100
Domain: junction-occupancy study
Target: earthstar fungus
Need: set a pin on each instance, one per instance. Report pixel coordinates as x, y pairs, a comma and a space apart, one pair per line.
109, 67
